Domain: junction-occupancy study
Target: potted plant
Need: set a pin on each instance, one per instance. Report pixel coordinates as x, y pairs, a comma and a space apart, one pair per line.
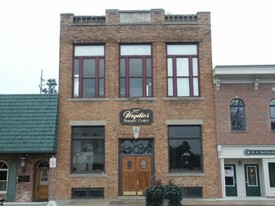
173, 194
159, 195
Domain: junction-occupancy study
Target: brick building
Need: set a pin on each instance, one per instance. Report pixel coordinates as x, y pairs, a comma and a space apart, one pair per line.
136, 105
245, 117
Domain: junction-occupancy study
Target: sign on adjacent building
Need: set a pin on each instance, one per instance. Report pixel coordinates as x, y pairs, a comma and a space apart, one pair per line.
136, 116
259, 152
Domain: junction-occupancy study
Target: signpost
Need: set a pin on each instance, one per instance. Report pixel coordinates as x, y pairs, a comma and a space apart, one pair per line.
52, 168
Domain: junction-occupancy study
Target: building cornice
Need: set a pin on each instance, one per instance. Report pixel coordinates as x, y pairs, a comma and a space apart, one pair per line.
244, 74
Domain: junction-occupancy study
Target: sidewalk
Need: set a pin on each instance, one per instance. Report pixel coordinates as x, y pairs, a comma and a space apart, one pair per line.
259, 201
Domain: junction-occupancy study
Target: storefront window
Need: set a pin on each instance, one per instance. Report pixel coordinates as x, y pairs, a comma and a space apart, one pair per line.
271, 169
88, 150
185, 148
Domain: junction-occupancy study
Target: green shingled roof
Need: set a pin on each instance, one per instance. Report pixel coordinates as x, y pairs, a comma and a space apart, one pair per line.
28, 123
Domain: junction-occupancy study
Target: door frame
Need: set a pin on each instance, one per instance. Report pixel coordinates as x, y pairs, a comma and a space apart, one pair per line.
120, 157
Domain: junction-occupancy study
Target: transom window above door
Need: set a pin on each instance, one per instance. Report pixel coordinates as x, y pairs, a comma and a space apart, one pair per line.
135, 71
89, 71
182, 70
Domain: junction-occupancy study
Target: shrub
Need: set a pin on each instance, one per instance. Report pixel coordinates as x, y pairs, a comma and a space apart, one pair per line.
156, 194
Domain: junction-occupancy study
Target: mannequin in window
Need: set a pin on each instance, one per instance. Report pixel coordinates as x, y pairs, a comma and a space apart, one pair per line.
84, 159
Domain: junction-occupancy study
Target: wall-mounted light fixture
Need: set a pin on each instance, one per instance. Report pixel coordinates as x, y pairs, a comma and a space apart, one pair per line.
23, 163
240, 163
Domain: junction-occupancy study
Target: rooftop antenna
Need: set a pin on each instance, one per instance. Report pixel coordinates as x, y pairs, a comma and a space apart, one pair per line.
41, 82
51, 85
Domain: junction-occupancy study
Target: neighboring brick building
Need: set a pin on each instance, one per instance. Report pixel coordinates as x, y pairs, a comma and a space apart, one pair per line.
28, 137
245, 117
136, 70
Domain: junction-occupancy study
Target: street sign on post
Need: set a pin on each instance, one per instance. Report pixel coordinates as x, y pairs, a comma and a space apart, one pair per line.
53, 162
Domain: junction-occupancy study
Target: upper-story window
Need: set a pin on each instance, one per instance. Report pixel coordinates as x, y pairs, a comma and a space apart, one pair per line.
183, 70
272, 114
135, 71
237, 115
3, 176
89, 71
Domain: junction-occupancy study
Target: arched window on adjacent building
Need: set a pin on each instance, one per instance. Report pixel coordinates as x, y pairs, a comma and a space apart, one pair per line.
3, 176
237, 115
272, 114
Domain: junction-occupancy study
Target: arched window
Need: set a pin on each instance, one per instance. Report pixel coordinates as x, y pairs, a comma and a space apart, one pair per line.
237, 115
272, 114
3, 176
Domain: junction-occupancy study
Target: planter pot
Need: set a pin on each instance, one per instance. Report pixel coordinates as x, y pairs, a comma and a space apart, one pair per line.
165, 202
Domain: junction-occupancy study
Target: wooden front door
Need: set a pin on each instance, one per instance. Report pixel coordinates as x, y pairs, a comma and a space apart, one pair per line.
136, 175
42, 182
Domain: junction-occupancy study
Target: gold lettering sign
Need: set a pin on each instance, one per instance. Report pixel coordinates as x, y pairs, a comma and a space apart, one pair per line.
136, 116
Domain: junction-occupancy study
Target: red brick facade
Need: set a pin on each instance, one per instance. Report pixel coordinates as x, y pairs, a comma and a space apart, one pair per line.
245, 137
89, 110
257, 114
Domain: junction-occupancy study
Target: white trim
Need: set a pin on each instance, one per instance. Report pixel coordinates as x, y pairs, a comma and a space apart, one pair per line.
87, 123
184, 122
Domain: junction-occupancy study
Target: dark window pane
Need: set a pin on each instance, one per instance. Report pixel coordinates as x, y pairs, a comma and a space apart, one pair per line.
237, 124
192, 192
88, 156
184, 131
272, 112
148, 68
76, 67
101, 87
236, 103
88, 68
3, 186
148, 87
273, 124
185, 154
88, 131
122, 68
272, 102
3, 165
135, 67
88, 193
271, 170
96, 193
3, 175
229, 181
88, 88
80, 193
101, 68
237, 114
135, 87
122, 87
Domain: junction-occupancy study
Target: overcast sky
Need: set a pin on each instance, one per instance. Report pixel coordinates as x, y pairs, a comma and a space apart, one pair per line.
243, 32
